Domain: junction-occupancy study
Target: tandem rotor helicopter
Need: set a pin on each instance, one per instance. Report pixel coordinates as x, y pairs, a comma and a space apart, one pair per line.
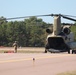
59, 39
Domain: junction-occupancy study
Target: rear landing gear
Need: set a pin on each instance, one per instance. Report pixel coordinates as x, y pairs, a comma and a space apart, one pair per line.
73, 51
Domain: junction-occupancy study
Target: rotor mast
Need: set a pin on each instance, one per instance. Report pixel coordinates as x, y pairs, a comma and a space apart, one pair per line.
57, 24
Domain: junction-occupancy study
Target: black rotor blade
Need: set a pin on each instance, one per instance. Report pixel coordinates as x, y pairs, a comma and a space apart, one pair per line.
27, 17
68, 18
64, 16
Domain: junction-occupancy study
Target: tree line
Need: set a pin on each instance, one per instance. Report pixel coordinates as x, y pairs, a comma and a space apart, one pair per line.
28, 33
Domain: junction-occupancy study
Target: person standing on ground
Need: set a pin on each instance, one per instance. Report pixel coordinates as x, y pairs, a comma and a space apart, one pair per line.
15, 46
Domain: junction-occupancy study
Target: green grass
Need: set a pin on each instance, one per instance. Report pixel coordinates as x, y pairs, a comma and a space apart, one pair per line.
29, 51
68, 73
23, 51
1, 51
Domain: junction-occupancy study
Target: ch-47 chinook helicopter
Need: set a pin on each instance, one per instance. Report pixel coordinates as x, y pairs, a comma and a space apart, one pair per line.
59, 39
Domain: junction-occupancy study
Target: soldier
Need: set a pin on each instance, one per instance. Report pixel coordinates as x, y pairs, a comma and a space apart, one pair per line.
15, 46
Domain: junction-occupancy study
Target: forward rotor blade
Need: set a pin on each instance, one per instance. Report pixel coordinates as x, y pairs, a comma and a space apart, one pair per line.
27, 17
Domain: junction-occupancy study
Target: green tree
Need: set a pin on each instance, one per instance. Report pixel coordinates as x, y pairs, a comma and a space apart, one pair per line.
73, 29
3, 26
16, 31
35, 31
30, 32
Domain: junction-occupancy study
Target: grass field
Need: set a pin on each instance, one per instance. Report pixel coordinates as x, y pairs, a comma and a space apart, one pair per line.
68, 73
23, 49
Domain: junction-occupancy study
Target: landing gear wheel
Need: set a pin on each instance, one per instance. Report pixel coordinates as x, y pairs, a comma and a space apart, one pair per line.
72, 51
46, 48
68, 51
45, 51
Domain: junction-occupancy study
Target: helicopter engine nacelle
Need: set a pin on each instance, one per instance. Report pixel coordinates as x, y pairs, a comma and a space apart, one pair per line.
49, 31
66, 30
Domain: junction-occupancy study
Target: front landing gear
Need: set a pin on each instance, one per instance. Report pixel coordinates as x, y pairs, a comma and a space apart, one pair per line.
46, 48
68, 51
45, 51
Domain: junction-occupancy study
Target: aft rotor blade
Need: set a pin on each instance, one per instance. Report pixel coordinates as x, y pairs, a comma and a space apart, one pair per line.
68, 18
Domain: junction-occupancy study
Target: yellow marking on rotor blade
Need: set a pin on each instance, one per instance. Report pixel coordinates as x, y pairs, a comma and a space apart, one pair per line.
44, 57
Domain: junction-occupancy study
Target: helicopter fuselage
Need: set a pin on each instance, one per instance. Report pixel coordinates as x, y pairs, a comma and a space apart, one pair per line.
60, 39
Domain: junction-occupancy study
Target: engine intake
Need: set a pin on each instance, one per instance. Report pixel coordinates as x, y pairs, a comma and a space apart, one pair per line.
66, 30
49, 31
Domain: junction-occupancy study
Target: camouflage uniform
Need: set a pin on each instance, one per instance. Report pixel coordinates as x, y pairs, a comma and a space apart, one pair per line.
15, 46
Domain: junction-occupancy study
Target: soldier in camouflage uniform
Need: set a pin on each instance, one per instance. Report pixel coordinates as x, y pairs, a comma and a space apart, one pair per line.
15, 46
